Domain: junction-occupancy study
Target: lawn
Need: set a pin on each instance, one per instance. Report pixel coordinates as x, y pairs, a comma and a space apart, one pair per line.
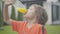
51, 29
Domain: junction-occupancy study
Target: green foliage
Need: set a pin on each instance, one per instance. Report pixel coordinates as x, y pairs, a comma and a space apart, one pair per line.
13, 13
20, 16
0, 18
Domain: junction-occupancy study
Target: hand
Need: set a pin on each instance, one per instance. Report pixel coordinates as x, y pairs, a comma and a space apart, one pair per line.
9, 2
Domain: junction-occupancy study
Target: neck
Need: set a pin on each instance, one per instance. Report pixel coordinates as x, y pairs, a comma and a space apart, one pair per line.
32, 21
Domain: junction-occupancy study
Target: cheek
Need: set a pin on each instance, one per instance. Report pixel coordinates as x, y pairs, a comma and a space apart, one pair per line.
29, 16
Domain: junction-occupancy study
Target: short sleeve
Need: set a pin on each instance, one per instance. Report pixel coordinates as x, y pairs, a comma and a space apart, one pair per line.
16, 25
41, 31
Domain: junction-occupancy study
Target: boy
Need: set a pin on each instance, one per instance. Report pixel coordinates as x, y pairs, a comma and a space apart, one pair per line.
31, 24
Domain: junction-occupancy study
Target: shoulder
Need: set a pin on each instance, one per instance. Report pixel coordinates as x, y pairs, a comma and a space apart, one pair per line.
39, 25
18, 22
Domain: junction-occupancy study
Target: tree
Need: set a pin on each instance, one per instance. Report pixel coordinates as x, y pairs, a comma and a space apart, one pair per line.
13, 13
0, 18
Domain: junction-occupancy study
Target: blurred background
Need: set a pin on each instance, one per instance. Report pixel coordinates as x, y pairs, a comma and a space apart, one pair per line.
52, 8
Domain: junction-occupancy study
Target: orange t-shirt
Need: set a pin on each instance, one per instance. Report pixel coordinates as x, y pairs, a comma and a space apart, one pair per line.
21, 28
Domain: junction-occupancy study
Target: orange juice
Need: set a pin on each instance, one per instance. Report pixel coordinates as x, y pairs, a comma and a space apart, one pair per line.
22, 10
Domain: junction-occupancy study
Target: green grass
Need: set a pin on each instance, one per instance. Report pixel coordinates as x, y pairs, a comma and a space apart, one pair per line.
51, 29
7, 30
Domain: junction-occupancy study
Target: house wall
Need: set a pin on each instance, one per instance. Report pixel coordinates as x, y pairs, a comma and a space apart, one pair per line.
48, 9
48, 6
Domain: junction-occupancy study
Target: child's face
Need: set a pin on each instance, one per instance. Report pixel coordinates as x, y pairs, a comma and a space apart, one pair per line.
31, 13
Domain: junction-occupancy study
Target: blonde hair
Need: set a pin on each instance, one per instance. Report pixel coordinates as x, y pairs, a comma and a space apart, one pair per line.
42, 16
